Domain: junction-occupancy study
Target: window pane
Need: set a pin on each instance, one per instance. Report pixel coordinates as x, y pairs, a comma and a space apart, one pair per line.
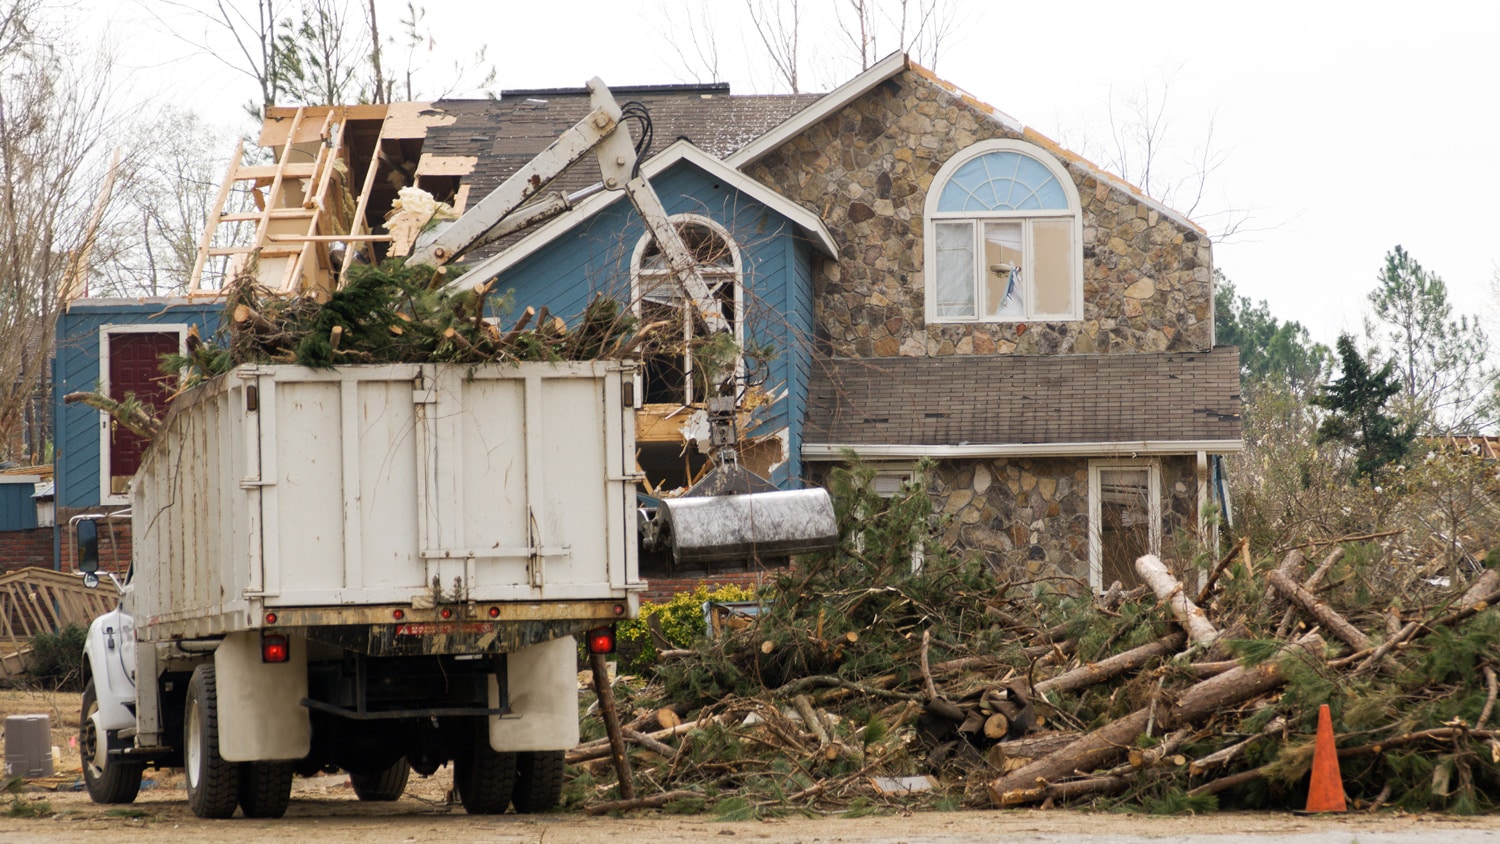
955, 269
1003, 271
1052, 267
1002, 181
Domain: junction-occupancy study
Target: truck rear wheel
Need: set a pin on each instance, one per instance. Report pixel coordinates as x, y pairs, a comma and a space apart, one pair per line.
108, 780
384, 786
539, 780
213, 784
484, 777
265, 788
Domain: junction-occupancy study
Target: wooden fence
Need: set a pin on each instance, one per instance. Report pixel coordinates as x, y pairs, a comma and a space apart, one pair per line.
37, 600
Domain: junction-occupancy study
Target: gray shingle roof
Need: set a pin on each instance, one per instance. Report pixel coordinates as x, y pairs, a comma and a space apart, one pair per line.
1014, 399
506, 133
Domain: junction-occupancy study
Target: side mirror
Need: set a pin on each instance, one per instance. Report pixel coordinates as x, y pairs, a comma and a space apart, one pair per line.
88, 546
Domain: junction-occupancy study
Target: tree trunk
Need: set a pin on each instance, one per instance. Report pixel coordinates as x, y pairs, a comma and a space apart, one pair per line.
1169, 589
1088, 675
1326, 615
1110, 743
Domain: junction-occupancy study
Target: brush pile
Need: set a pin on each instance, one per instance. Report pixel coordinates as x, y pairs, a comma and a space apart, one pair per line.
861, 684
399, 314
386, 314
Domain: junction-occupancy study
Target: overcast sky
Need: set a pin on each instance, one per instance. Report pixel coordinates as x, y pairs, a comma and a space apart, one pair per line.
1344, 128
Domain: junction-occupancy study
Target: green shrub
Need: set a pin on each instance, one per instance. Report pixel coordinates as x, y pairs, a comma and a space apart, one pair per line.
681, 622
56, 659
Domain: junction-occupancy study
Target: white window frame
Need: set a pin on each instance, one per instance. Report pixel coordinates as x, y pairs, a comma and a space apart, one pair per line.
106, 332
932, 216
735, 275
1096, 539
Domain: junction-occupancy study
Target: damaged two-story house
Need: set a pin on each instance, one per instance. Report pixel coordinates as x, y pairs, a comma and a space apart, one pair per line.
936, 281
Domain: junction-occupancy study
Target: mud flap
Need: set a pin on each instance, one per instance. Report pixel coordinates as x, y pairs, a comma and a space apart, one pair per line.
261, 716
543, 681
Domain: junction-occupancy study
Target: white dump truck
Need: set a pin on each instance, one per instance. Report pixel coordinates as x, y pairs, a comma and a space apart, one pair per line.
375, 568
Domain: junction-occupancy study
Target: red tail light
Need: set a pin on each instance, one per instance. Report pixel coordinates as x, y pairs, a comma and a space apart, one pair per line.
274, 648
602, 640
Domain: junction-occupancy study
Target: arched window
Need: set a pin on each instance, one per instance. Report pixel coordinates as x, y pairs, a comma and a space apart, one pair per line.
675, 377
1003, 237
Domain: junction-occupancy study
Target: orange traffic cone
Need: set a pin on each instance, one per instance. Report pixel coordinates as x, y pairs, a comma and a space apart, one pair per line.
1326, 791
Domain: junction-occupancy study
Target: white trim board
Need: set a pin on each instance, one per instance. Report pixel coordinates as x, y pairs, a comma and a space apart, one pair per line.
835, 451
822, 108
811, 226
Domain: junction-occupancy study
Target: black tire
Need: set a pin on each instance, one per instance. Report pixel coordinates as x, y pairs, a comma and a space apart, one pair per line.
265, 788
107, 780
384, 786
539, 781
484, 777
213, 784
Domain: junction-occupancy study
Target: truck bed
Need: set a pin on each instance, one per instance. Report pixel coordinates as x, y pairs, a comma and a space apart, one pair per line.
499, 494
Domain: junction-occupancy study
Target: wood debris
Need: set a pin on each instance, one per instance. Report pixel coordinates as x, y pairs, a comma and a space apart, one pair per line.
1199, 689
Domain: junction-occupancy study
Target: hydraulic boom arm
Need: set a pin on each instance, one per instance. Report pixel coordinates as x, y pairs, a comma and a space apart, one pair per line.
492, 218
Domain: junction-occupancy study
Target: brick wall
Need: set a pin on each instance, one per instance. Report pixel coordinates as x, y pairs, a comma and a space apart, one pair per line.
22, 548
661, 589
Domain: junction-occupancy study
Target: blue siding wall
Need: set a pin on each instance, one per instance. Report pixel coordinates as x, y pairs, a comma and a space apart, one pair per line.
595, 256
76, 368
17, 508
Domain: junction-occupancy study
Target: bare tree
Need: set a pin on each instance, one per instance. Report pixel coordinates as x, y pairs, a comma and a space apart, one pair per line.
1146, 147
54, 135
695, 40
779, 25
149, 240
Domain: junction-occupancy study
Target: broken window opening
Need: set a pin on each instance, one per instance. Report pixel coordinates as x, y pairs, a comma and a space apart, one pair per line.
673, 376
1124, 519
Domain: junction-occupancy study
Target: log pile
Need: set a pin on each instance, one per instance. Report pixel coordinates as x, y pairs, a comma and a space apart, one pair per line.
1199, 688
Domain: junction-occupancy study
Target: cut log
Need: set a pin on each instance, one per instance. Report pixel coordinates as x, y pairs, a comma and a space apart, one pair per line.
1088, 675
996, 726
1169, 589
651, 744
810, 720
1311, 585
1109, 743
1326, 615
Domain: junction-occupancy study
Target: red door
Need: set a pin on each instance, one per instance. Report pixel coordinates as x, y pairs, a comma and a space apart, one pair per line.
135, 367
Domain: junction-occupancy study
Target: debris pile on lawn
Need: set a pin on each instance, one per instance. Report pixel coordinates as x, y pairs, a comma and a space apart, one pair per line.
859, 678
386, 314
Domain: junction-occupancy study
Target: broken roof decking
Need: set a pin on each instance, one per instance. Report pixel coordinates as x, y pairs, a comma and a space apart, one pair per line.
502, 135
1014, 404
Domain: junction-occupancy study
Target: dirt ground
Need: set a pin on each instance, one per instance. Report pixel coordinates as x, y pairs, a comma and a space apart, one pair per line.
324, 810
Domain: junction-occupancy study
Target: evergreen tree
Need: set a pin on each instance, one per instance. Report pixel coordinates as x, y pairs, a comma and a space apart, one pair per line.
1357, 417
1271, 351
1438, 360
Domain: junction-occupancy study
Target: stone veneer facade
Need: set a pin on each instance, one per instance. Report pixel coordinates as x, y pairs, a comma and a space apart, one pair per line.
1030, 517
866, 170
1147, 287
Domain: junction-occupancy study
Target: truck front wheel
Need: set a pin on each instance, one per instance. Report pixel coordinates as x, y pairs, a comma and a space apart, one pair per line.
539, 780
108, 780
213, 784
484, 777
